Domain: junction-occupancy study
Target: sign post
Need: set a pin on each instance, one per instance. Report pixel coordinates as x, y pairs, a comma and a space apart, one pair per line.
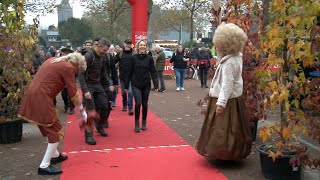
139, 19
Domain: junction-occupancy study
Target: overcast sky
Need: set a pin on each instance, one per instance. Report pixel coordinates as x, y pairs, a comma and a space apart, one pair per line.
50, 19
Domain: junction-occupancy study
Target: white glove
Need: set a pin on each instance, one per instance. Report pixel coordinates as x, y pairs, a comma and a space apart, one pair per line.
84, 116
83, 113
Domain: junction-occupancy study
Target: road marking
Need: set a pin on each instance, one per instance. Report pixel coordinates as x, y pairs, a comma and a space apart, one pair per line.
130, 148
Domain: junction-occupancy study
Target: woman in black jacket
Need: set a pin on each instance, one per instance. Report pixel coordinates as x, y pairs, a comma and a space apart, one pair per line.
180, 59
141, 68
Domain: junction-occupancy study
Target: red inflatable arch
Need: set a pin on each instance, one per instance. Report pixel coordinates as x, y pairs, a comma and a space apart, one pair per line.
139, 19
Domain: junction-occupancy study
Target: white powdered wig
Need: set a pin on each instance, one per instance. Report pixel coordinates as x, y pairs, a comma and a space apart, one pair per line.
229, 39
75, 58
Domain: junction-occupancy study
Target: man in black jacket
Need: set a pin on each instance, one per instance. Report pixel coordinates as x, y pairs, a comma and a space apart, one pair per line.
124, 57
92, 82
113, 77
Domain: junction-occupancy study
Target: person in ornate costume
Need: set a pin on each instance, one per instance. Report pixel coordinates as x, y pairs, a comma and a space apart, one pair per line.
225, 133
37, 104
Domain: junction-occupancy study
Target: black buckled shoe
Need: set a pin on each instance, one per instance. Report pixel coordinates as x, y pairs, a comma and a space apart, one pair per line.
50, 170
58, 159
102, 132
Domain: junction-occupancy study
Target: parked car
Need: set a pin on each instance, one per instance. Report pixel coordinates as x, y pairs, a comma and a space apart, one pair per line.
168, 54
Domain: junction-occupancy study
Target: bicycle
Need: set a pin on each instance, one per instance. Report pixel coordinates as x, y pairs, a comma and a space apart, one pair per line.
192, 70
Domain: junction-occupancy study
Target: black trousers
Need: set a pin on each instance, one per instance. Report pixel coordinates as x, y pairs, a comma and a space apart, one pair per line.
141, 97
99, 103
66, 99
203, 73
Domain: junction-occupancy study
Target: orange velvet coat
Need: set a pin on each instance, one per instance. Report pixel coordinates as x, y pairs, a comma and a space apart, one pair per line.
37, 104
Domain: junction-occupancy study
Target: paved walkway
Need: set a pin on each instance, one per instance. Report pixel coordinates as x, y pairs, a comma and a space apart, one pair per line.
177, 109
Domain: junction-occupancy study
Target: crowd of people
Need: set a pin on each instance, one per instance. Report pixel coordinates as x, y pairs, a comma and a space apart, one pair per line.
101, 67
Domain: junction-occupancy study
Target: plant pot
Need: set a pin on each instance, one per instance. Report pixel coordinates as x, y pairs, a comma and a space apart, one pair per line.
280, 169
10, 132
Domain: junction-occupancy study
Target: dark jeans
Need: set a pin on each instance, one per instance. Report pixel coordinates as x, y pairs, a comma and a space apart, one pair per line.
203, 73
127, 99
66, 99
141, 97
160, 78
98, 102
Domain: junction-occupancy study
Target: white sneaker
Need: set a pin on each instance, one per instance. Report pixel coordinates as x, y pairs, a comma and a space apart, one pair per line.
182, 89
178, 89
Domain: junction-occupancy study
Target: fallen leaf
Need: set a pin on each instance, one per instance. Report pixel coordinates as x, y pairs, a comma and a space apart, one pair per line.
29, 173
69, 122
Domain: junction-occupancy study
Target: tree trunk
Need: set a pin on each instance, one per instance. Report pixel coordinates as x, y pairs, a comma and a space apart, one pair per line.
216, 5
191, 26
180, 33
266, 14
150, 4
285, 72
111, 32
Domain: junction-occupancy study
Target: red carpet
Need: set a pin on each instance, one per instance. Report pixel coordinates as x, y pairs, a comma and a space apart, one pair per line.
156, 154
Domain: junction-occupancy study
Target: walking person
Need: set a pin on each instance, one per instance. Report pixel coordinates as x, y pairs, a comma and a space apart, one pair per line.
93, 82
204, 64
180, 60
113, 78
225, 132
160, 59
123, 57
88, 46
68, 105
53, 75
141, 68
113, 72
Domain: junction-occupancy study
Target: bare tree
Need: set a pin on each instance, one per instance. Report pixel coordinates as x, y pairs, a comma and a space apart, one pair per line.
195, 8
112, 8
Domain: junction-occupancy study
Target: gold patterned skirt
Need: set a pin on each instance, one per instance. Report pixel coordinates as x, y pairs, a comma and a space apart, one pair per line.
225, 137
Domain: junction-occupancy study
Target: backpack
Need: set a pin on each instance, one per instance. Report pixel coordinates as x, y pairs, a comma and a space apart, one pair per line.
203, 62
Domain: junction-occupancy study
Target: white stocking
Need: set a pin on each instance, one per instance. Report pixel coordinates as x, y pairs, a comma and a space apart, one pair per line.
55, 154
51, 149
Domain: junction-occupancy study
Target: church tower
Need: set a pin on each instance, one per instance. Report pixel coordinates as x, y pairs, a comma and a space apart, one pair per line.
65, 11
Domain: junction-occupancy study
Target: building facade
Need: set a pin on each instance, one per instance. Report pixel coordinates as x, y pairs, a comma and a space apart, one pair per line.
65, 11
